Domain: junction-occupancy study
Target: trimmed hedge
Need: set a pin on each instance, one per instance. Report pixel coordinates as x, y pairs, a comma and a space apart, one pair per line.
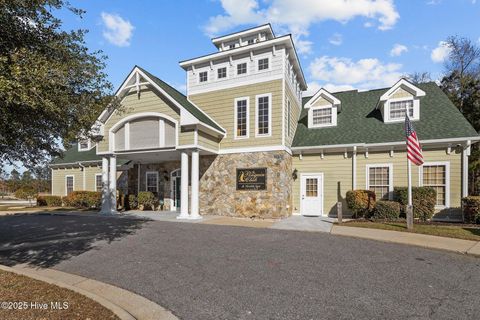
360, 202
423, 200
386, 210
147, 200
49, 201
83, 199
471, 209
132, 201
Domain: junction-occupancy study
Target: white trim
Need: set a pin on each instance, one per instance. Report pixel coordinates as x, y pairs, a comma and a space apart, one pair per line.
326, 95
402, 82
447, 180
242, 61
415, 106
100, 175
146, 179
322, 125
172, 191
235, 116
89, 145
199, 76
354, 168
221, 86
302, 190
256, 149
270, 103
390, 176
227, 69
73, 184
196, 146
241, 34
257, 63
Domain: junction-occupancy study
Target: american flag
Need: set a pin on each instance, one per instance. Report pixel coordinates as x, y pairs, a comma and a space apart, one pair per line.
414, 150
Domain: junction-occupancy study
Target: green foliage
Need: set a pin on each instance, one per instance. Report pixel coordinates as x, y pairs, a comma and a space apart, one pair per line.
25, 193
146, 199
423, 200
132, 201
361, 202
49, 201
83, 199
386, 210
52, 88
471, 209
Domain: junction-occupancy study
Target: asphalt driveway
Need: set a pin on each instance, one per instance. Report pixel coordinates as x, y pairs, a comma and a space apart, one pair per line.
221, 272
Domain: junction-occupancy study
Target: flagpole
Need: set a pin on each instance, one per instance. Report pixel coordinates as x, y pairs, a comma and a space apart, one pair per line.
409, 212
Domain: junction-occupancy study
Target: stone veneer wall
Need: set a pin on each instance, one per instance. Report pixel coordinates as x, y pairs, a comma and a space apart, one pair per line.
218, 194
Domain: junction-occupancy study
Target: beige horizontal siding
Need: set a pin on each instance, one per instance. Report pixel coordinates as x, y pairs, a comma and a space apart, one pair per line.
148, 101
295, 114
220, 106
208, 141
59, 180
186, 138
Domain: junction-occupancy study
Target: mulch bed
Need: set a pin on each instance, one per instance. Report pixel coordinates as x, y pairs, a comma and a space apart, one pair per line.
25, 298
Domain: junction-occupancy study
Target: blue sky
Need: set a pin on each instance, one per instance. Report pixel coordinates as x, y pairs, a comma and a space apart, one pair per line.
342, 44
359, 44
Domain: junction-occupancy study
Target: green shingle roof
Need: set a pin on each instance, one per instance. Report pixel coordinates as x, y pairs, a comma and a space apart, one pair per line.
182, 100
360, 122
72, 155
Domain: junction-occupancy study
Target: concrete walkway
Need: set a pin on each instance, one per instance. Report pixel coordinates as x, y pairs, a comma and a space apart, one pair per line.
125, 304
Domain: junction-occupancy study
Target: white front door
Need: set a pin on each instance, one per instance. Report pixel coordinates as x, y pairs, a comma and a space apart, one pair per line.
311, 194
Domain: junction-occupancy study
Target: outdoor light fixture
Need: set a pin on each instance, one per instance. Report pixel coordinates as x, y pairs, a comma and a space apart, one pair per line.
165, 175
294, 174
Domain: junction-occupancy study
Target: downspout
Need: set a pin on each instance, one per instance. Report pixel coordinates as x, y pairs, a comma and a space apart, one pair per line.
465, 155
83, 170
354, 168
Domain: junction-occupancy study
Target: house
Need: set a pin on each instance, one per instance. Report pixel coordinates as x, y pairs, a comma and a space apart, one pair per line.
244, 141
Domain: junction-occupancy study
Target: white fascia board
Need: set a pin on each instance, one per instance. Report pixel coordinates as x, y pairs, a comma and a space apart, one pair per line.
402, 82
286, 40
265, 27
323, 93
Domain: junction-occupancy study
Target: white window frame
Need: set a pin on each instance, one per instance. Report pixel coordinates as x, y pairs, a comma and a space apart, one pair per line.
146, 179
97, 175
236, 137
236, 69
89, 145
447, 180
390, 176
322, 125
269, 134
198, 78
258, 64
226, 73
73, 184
416, 110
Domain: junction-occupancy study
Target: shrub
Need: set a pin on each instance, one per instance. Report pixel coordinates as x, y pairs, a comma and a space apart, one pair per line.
423, 200
471, 209
146, 199
361, 202
25, 193
83, 199
49, 201
386, 210
132, 201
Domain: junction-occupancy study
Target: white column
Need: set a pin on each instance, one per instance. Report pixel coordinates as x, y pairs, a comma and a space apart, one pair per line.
184, 188
465, 154
354, 168
105, 188
113, 184
194, 214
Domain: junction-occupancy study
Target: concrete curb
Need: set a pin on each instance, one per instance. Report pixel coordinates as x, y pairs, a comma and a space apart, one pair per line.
125, 304
415, 239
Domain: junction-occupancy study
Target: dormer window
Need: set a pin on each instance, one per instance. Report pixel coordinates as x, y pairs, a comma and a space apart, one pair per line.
263, 64
322, 109
398, 109
222, 73
250, 41
400, 100
203, 76
232, 46
84, 145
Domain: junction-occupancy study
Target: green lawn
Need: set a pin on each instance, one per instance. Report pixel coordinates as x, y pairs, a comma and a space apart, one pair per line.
467, 232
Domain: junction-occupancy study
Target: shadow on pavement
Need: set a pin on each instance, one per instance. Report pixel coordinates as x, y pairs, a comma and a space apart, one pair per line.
44, 240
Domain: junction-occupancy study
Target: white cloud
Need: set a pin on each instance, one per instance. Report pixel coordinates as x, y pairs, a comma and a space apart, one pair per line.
434, 2
441, 52
296, 16
336, 39
398, 49
118, 31
367, 73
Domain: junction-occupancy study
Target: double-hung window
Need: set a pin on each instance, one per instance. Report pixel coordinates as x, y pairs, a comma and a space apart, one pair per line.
242, 68
69, 181
263, 115
263, 64
241, 118
203, 76
222, 73
98, 182
435, 175
398, 109
322, 116
152, 181
379, 180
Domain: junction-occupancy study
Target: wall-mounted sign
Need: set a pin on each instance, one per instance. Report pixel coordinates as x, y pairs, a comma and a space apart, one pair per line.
252, 179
